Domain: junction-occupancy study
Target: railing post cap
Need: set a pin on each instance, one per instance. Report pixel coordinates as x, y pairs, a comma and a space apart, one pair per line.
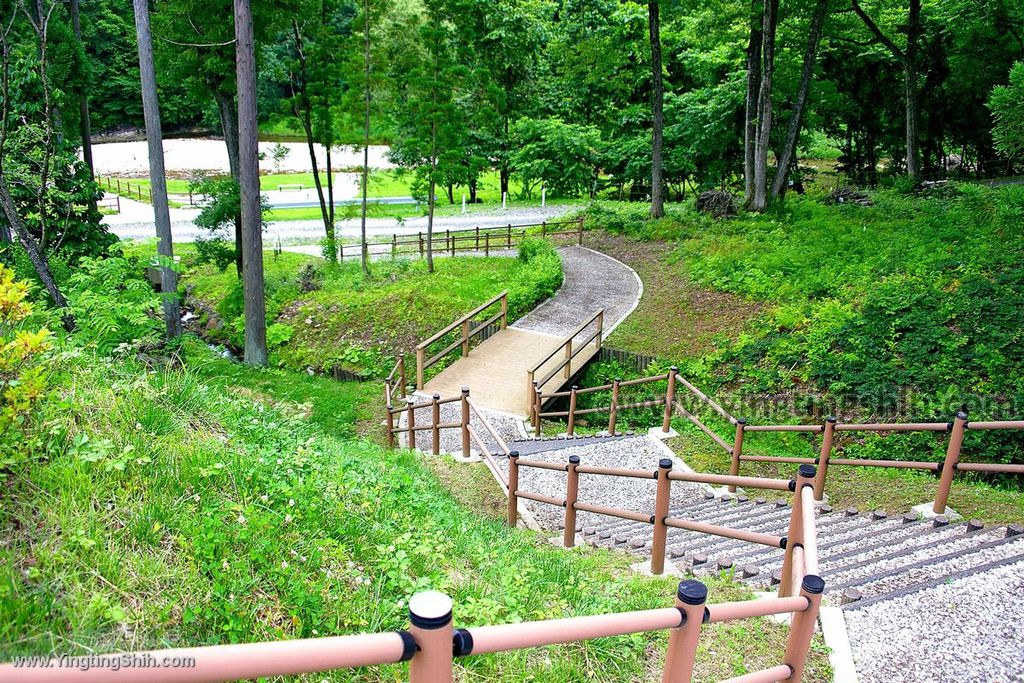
513, 454
674, 368
465, 390
430, 609
665, 463
741, 420
961, 415
831, 419
574, 460
692, 592
807, 470
617, 379
813, 584
437, 397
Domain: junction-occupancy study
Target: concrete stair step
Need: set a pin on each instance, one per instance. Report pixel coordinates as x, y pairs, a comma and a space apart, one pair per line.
892, 579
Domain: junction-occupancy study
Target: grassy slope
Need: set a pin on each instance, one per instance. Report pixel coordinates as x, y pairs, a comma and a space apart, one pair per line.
240, 513
355, 323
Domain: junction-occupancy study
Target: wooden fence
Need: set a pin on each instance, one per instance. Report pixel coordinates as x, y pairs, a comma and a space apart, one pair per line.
125, 188
946, 469
468, 329
451, 242
575, 343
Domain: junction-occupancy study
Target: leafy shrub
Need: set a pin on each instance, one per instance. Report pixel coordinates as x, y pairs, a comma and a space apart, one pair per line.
538, 276
531, 247
1007, 105
113, 302
22, 381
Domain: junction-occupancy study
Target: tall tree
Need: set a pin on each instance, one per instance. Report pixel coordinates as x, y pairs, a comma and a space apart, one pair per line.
908, 59
157, 176
753, 92
40, 17
84, 122
770, 22
657, 113
249, 182
782, 165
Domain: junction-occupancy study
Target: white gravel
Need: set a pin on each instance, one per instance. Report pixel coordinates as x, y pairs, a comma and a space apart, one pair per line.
636, 495
966, 631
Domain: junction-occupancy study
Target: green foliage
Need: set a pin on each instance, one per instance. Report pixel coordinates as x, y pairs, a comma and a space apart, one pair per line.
113, 302
563, 157
1007, 105
22, 375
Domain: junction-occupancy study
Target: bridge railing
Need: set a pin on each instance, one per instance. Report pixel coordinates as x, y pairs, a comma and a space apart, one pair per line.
560, 360
395, 383
466, 329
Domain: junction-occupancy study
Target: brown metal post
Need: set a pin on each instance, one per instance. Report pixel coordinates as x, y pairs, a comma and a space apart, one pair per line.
487, 244
508, 238
430, 624
435, 420
452, 244
420, 236
465, 422
513, 486
394, 246
670, 397
737, 451
537, 407
420, 361
612, 412
543, 229
661, 500
802, 629
572, 489
795, 535
682, 641
956, 442
581, 232
478, 238
390, 423
401, 374
410, 423
572, 411
465, 338
826, 453
567, 372
504, 311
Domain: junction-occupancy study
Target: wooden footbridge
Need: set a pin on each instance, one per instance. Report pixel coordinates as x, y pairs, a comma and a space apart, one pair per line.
502, 364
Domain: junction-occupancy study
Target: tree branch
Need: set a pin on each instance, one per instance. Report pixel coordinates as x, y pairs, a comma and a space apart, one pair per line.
877, 32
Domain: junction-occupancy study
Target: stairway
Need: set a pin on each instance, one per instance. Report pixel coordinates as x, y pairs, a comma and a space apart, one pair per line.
864, 556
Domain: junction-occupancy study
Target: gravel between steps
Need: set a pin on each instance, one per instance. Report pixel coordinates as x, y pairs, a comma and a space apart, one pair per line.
975, 619
626, 494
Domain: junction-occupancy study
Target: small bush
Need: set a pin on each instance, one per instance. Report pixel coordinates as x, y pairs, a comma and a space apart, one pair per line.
22, 381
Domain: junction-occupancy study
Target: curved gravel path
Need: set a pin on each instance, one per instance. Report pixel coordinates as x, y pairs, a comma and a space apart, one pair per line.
592, 280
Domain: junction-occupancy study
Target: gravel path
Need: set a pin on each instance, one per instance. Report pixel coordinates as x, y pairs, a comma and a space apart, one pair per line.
976, 619
637, 452
592, 281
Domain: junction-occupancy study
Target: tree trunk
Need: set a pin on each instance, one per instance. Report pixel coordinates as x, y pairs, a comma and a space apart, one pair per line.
657, 113
35, 255
249, 183
157, 176
764, 106
753, 90
911, 91
85, 125
782, 165
363, 256
228, 113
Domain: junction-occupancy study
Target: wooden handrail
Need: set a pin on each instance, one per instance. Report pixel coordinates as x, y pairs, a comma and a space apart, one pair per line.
422, 363
570, 351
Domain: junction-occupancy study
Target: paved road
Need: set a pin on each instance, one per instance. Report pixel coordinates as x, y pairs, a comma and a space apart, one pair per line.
136, 222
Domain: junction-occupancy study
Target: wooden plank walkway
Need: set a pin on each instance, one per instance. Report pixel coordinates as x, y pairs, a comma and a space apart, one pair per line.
497, 370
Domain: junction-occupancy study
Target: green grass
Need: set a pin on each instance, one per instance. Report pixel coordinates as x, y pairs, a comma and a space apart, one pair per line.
329, 316
211, 504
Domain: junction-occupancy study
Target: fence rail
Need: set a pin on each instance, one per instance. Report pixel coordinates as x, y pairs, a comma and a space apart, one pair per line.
467, 332
675, 382
478, 240
569, 349
430, 643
